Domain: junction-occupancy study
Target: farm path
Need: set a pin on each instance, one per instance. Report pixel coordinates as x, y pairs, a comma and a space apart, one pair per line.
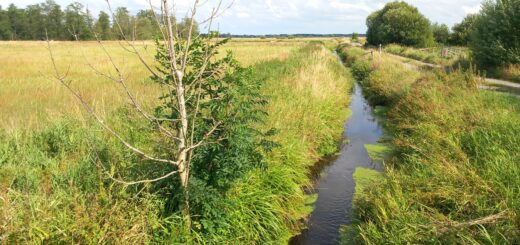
491, 83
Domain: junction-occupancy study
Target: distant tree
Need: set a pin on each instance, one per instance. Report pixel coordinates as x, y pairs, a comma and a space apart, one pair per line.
399, 22
89, 21
495, 39
441, 33
77, 22
53, 20
146, 26
461, 32
102, 26
17, 21
355, 37
5, 25
184, 26
35, 25
123, 24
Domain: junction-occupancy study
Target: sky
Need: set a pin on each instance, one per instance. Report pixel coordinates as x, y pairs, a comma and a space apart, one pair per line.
260, 17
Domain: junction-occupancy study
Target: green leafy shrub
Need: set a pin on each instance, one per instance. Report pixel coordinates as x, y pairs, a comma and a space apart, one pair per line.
399, 22
496, 34
461, 32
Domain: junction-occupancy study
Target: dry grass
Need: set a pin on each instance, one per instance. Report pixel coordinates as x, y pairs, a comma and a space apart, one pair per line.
30, 96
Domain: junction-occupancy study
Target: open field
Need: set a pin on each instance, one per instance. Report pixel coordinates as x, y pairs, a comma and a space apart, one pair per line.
29, 95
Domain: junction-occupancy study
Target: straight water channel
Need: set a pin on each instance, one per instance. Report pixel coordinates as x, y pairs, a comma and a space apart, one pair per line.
336, 187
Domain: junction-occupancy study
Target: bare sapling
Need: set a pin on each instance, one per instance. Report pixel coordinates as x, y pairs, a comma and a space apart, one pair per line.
187, 70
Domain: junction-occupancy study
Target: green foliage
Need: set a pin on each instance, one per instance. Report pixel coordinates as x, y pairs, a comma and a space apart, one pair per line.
226, 93
461, 32
78, 22
361, 69
102, 26
53, 19
33, 15
123, 24
5, 25
146, 26
455, 158
496, 35
441, 33
32, 22
183, 27
399, 22
17, 22
350, 54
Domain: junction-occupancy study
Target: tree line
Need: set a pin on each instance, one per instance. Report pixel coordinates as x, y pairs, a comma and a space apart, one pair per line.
401, 23
493, 34
37, 21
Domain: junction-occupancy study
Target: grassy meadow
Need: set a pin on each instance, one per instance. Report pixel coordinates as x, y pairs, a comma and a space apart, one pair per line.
453, 174
29, 95
53, 181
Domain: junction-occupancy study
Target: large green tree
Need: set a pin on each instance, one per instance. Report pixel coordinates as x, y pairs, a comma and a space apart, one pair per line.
401, 23
495, 38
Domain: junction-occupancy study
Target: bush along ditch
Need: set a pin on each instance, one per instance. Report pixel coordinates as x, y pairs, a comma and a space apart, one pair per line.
453, 174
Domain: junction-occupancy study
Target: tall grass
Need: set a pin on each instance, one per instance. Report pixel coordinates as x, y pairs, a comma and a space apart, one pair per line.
29, 96
454, 175
53, 189
507, 72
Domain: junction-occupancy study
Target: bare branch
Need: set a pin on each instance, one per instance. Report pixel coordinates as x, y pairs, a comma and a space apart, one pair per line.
135, 50
142, 181
205, 137
78, 96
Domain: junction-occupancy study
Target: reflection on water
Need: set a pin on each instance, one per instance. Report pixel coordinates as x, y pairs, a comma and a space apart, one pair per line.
336, 187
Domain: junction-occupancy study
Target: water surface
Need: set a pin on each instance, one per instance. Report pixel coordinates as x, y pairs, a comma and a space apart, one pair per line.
336, 187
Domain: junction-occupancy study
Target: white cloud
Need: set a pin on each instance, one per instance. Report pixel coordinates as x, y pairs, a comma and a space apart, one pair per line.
294, 16
351, 6
471, 10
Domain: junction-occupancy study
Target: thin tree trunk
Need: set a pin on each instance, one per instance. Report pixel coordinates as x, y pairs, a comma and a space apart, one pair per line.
181, 101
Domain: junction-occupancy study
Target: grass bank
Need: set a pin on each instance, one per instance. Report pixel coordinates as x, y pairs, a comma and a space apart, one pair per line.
53, 188
453, 175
